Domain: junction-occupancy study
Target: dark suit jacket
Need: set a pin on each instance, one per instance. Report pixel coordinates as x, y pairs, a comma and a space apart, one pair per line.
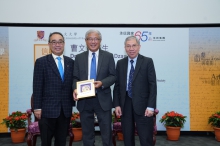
105, 74
49, 91
144, 87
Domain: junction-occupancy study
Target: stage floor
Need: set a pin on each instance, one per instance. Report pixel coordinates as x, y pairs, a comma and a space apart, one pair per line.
185, 140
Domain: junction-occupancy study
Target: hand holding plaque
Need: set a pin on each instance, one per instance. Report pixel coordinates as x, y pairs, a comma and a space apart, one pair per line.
85, 89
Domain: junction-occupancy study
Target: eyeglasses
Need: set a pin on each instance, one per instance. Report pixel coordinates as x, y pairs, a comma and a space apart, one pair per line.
59, 43
133, 46
93, 39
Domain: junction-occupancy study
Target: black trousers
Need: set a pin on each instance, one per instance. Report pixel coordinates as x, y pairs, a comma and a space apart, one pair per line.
144, 125
54, 127
92, 106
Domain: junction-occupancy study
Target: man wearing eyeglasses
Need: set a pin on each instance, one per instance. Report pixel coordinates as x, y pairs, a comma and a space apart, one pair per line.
52, 92
98, 65
134, 94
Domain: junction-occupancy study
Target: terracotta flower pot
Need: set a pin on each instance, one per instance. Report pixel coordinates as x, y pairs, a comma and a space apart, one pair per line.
18, 136
120, 136
77, 134
217, 133
173, 133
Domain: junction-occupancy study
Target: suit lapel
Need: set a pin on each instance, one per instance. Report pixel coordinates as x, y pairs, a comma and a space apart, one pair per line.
137, 67
53, 65
99, 61
86, 62
66, 67
124, 70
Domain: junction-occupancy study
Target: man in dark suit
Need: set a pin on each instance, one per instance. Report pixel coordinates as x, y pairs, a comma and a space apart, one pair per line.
134, 94
104, 76
52, 92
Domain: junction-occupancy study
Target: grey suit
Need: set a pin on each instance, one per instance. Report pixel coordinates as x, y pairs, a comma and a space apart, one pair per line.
144, 91
101, 104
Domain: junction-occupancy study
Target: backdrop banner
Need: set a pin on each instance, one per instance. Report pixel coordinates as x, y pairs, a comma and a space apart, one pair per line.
187, 63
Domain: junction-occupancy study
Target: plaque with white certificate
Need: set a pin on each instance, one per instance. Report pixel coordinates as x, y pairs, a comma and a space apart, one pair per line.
85, 89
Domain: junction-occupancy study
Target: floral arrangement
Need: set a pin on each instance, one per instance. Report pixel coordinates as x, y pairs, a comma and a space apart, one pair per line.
16, 120
75, 116
214, 119
173, 119
115, 118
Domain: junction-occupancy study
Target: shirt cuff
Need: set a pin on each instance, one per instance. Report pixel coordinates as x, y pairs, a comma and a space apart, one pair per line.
151, 109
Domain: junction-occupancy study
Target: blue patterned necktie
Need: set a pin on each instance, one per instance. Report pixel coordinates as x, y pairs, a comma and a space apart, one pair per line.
60, 67
93, 67
130, 79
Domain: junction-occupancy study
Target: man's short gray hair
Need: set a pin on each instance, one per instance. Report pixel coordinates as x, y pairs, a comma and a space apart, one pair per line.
132, 38
93, 31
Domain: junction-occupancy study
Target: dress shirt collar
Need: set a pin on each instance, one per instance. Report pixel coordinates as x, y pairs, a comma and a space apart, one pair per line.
135, 59
55, 56
96, 53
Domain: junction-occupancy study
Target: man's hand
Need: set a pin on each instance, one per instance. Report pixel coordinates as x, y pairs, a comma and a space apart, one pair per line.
75, 95
149, 113
37, 113
97, 84
118, 111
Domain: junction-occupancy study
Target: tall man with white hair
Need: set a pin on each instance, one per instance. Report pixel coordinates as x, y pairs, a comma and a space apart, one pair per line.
98, 65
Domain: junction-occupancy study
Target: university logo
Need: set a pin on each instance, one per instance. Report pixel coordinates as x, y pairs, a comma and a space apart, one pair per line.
40, 36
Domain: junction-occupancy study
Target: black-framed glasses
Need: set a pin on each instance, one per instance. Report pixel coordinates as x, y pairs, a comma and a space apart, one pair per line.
54, 43
93, 39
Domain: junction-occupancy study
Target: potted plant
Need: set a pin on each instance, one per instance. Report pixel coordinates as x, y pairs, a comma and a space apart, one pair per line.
214, 120
173, 122
16, 122
76, 126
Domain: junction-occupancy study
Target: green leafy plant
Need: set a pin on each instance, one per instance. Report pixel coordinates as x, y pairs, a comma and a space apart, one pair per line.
214, 119
173, 119
16, 120
74, 123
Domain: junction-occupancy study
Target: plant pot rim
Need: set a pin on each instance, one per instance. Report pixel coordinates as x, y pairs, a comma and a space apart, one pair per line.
173, 127
18, 129
216, 127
